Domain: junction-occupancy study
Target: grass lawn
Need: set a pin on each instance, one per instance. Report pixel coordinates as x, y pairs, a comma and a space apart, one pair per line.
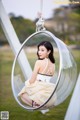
7, 101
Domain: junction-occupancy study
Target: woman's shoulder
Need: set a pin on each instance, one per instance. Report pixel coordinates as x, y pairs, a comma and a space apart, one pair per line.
39, 62
43, 62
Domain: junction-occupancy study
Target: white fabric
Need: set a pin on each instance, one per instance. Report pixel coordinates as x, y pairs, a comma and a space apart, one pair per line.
44, 78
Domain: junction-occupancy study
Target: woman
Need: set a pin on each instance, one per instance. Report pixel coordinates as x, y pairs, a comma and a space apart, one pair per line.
38, 88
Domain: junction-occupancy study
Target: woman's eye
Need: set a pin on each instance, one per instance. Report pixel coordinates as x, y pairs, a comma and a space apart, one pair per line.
41, 50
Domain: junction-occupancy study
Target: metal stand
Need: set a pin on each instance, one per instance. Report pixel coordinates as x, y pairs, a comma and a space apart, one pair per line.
73, 112
14, 41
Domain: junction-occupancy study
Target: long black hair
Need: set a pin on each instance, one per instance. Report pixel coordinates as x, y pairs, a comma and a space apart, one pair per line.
48, 46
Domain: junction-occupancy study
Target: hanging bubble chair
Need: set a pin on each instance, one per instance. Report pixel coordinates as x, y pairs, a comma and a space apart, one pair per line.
64, 77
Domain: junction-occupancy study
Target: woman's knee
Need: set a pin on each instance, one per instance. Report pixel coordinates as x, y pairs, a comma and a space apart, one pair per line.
22, 96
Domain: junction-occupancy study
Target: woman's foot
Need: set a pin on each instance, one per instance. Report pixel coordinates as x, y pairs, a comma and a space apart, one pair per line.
34, 104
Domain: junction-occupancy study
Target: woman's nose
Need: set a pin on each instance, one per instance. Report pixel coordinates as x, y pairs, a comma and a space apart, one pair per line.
39, 52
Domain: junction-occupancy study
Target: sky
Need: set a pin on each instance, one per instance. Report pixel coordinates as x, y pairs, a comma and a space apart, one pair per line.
30, 8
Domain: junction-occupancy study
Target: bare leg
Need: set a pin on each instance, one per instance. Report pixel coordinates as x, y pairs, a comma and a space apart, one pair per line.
26, 99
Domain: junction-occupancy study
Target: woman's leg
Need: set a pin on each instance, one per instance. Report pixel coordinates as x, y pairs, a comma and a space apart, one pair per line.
26, 99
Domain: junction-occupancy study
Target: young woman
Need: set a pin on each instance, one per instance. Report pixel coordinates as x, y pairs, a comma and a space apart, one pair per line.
38, 88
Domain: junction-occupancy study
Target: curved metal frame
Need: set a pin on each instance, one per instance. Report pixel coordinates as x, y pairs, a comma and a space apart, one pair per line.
60, 67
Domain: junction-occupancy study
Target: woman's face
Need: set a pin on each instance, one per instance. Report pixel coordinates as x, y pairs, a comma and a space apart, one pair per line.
43, 52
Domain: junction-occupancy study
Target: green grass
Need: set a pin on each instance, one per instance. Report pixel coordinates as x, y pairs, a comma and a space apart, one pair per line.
7, 101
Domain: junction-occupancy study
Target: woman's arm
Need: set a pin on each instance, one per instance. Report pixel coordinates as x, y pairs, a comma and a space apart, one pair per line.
35, 72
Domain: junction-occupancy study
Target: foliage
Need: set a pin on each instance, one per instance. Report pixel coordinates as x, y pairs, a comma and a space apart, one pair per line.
23, 28
67, 24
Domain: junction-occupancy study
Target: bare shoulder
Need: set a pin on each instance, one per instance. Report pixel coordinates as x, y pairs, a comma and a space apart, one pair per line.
38, 62
37, 65
53, 65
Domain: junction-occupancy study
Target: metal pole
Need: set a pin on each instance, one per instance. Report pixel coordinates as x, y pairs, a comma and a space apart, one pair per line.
73, 112
14, 41
41, 6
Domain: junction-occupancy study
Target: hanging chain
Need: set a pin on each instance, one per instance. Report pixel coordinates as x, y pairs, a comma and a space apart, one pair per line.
41, 6
40, 23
